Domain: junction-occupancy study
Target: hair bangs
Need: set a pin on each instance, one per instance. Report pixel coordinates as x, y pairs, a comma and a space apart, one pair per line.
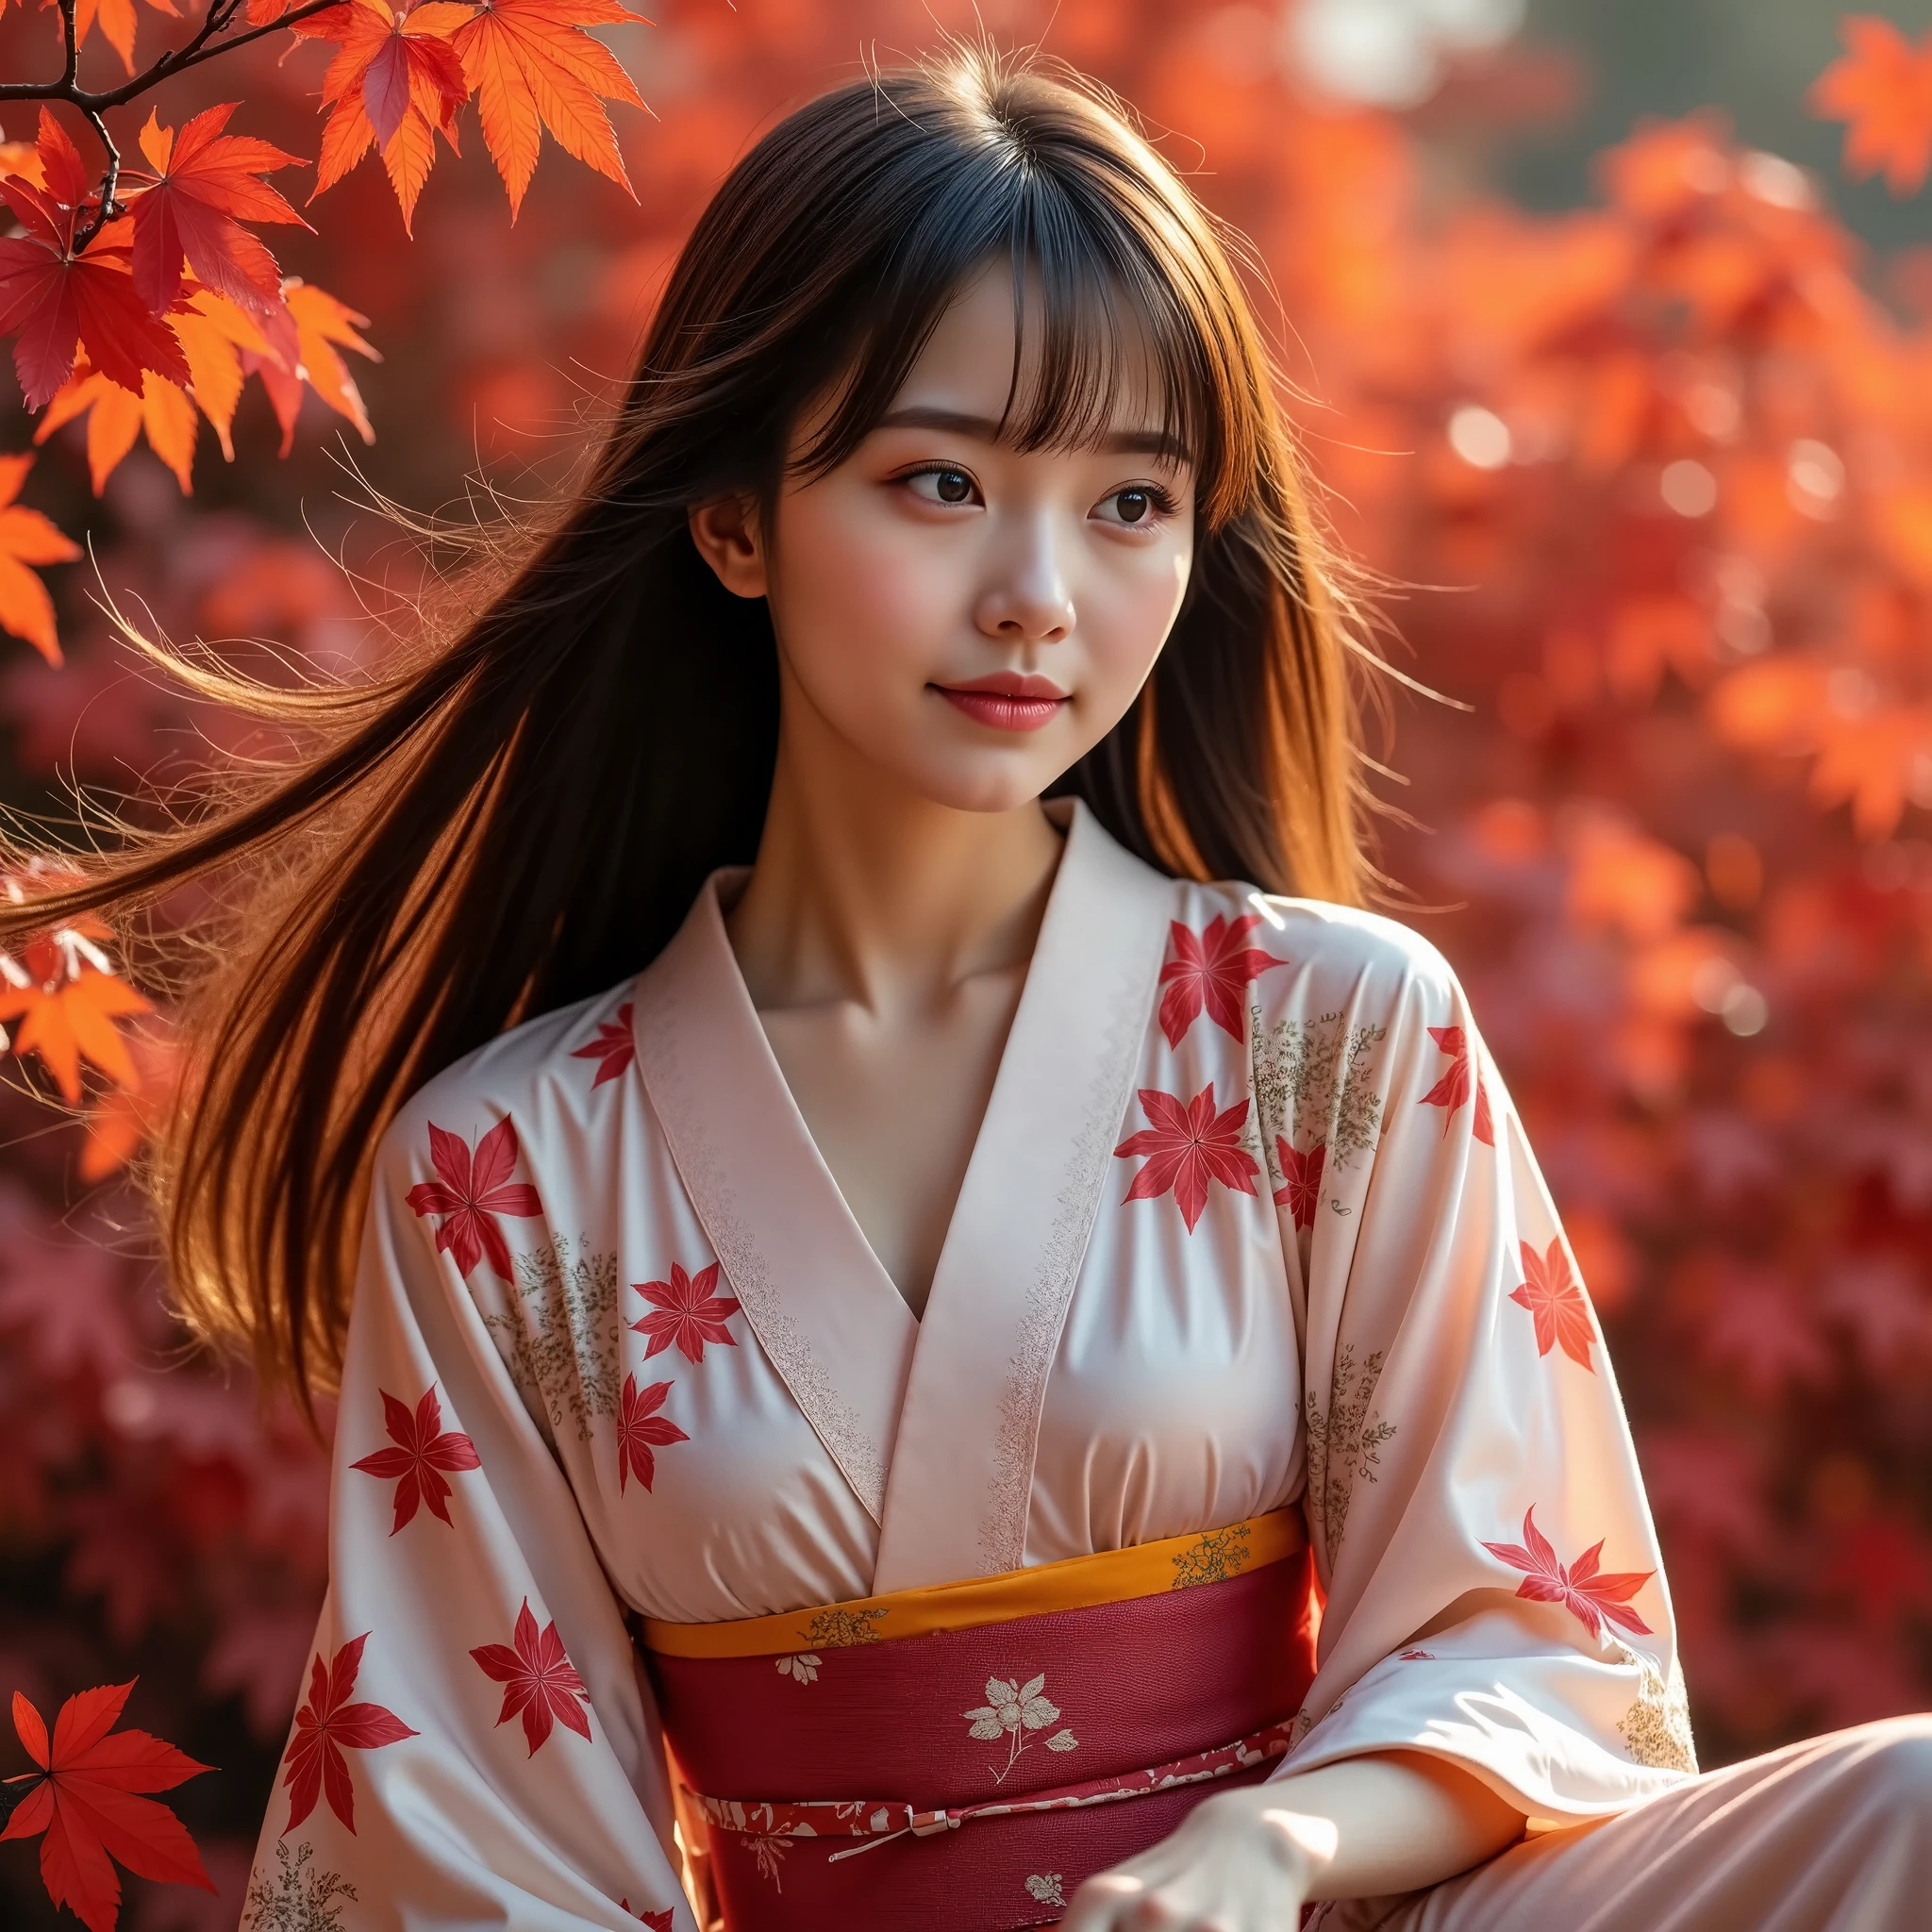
1120, 324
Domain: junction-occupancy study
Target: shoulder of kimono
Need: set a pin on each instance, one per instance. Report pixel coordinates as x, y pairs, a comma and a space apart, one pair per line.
1346, 958
528, 1073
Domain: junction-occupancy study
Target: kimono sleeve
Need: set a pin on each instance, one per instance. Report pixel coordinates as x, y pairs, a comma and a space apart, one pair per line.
476, 1744
1495, 1593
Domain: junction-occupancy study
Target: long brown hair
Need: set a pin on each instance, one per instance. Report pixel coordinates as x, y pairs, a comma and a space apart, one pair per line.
520, 813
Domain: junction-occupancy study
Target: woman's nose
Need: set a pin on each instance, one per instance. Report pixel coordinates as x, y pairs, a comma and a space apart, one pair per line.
1028, 599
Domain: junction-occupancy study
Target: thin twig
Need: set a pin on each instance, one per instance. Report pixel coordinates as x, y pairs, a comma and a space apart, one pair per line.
106, 208
94, 103
176, 60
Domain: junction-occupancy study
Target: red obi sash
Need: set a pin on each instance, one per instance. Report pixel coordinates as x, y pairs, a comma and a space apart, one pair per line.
959, 1758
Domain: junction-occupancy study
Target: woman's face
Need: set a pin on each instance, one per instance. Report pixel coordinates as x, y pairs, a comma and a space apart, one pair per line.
971, 617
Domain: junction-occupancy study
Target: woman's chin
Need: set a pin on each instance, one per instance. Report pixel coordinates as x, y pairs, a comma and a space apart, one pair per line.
1014, 784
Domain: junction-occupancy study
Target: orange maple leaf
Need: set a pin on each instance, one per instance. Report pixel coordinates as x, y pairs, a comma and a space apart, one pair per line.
120, 1119
205, 186
1882, 87
115, 418
21, 157
302, 338
117, 23
531, 65
214, 332
395, 82
26, 537
83, 1797
1869, 760
66, 998
52, 300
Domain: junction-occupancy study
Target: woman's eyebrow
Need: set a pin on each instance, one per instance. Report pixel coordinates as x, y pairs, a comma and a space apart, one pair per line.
1120, 443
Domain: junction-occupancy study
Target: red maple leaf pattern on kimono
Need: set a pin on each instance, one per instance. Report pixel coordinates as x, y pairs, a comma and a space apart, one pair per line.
539, 1683
638, 1428
424, 1449
472, 1193
1214, 969
657, 1922
327, 1725
614, 1047
1590, 1595
1300, 1190
1556, 1300
1453, 1089
689, 1311
1188, 1146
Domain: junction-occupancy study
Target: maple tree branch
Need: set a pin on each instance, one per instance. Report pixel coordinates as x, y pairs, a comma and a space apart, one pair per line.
94, 103
106, 208
175, 61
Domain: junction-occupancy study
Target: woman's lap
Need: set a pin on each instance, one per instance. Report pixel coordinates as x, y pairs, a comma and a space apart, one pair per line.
1830, 1835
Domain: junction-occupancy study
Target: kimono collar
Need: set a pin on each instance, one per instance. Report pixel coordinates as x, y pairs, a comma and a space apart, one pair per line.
934, 1423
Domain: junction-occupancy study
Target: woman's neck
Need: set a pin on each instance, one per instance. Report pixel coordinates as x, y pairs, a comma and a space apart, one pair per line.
866, 892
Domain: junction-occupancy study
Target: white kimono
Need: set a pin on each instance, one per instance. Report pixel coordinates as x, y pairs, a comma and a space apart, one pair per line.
1250, 1219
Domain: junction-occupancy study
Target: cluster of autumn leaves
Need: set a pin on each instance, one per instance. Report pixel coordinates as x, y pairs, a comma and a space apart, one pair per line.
165, 313
152, 313
153, 318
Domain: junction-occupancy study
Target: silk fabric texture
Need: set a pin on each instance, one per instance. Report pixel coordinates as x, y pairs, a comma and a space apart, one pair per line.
1250, 1221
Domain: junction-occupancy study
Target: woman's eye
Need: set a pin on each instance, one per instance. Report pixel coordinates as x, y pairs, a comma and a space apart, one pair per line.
942, 485
1139, 505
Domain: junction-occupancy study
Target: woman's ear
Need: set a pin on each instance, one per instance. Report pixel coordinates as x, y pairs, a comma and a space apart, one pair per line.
729, 539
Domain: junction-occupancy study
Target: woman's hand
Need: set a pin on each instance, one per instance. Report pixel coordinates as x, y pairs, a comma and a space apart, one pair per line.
1243, 1861
1248, 1859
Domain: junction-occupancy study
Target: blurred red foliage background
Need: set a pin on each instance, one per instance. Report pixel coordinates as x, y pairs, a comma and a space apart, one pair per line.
1649, 490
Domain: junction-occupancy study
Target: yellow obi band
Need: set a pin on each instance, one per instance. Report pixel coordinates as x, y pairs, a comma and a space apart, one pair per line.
1079, 1583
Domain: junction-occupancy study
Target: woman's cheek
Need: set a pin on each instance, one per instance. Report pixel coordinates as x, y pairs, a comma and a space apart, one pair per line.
860, 640
870, 586
1124, 636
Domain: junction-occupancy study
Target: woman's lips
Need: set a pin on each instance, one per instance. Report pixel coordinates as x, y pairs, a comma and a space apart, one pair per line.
1006, 701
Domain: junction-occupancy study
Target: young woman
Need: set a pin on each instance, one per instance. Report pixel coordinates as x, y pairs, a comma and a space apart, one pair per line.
918, 1359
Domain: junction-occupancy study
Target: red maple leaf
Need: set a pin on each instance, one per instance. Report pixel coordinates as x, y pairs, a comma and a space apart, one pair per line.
1555, 1298
1214, 969
690, 1313
471, 1195
327, 1725
205, 186
1301, 1188
640, 1426
83, 1798
1453, 1089
424, 1449
657, 1922
52, 299
538, 1681
1882, 86
614, 1047
1589, 1597
1188, 1146
395, 82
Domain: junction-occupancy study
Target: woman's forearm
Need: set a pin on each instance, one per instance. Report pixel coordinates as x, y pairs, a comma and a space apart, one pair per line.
1252, 1857
1402, 1820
